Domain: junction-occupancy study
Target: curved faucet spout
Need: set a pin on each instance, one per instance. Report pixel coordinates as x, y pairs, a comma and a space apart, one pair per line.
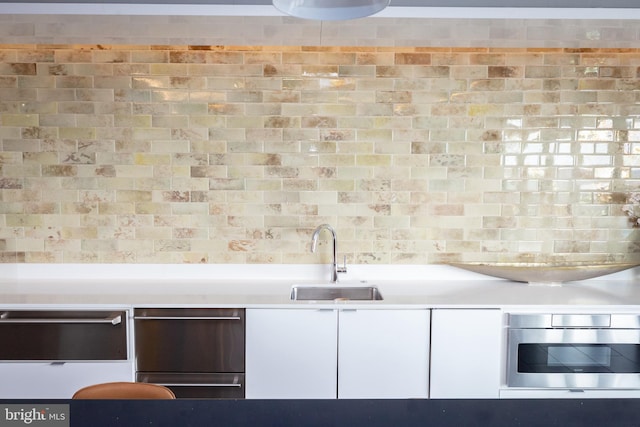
314, 243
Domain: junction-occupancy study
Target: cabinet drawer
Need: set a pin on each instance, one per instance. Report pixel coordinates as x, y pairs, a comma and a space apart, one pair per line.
58, 335
198, 385
189, 340
37, 380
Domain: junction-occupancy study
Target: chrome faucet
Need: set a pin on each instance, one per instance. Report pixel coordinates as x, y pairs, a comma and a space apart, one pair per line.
334, 265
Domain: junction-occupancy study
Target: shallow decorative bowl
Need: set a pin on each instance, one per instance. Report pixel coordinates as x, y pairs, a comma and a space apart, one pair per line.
544, 273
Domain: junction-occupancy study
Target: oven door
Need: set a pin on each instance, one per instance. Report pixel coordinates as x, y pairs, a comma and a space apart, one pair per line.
574, 358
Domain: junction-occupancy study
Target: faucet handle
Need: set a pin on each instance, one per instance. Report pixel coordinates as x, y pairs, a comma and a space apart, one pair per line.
343, 269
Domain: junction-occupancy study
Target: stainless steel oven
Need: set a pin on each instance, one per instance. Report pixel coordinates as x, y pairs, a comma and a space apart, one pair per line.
574, 351
196, 352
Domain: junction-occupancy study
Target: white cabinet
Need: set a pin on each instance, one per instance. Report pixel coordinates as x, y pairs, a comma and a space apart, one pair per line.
291, 354
466, 353
324, 354
50, 353
35, 380
383, 354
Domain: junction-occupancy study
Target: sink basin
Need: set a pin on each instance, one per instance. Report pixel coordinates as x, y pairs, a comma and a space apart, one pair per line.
333, 292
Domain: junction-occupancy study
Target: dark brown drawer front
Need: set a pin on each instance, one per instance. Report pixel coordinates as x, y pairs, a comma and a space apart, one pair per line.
199, 386
190, 340
63, 335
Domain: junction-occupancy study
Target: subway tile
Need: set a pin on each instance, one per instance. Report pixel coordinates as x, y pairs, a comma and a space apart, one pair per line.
415, 147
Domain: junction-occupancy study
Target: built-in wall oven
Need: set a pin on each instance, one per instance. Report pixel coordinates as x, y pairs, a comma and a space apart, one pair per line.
574, 351
196, 352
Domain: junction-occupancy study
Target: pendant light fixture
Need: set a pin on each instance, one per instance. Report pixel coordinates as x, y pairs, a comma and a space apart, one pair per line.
330, 10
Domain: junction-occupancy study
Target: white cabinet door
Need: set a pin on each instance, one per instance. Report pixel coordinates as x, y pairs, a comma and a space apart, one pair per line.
383, 354
34, 380
324, 354
291, 354
466, 353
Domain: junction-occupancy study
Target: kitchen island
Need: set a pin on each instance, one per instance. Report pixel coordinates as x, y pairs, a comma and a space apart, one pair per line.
357, 413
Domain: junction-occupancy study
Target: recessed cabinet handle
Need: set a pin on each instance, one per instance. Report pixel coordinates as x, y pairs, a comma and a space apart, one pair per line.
114, 319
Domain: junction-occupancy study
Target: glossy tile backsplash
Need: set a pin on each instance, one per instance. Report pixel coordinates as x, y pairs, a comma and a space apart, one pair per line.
234, 154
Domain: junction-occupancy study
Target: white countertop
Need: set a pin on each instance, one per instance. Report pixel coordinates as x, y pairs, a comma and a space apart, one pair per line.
429, 286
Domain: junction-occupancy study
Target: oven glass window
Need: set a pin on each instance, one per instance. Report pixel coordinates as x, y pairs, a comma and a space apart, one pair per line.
578, 355
575, 358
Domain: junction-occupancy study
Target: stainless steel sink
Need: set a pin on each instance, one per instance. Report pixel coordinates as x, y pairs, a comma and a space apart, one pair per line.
333, 292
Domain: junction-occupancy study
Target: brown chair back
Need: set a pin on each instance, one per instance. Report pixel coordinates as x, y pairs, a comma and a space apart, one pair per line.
124, 390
